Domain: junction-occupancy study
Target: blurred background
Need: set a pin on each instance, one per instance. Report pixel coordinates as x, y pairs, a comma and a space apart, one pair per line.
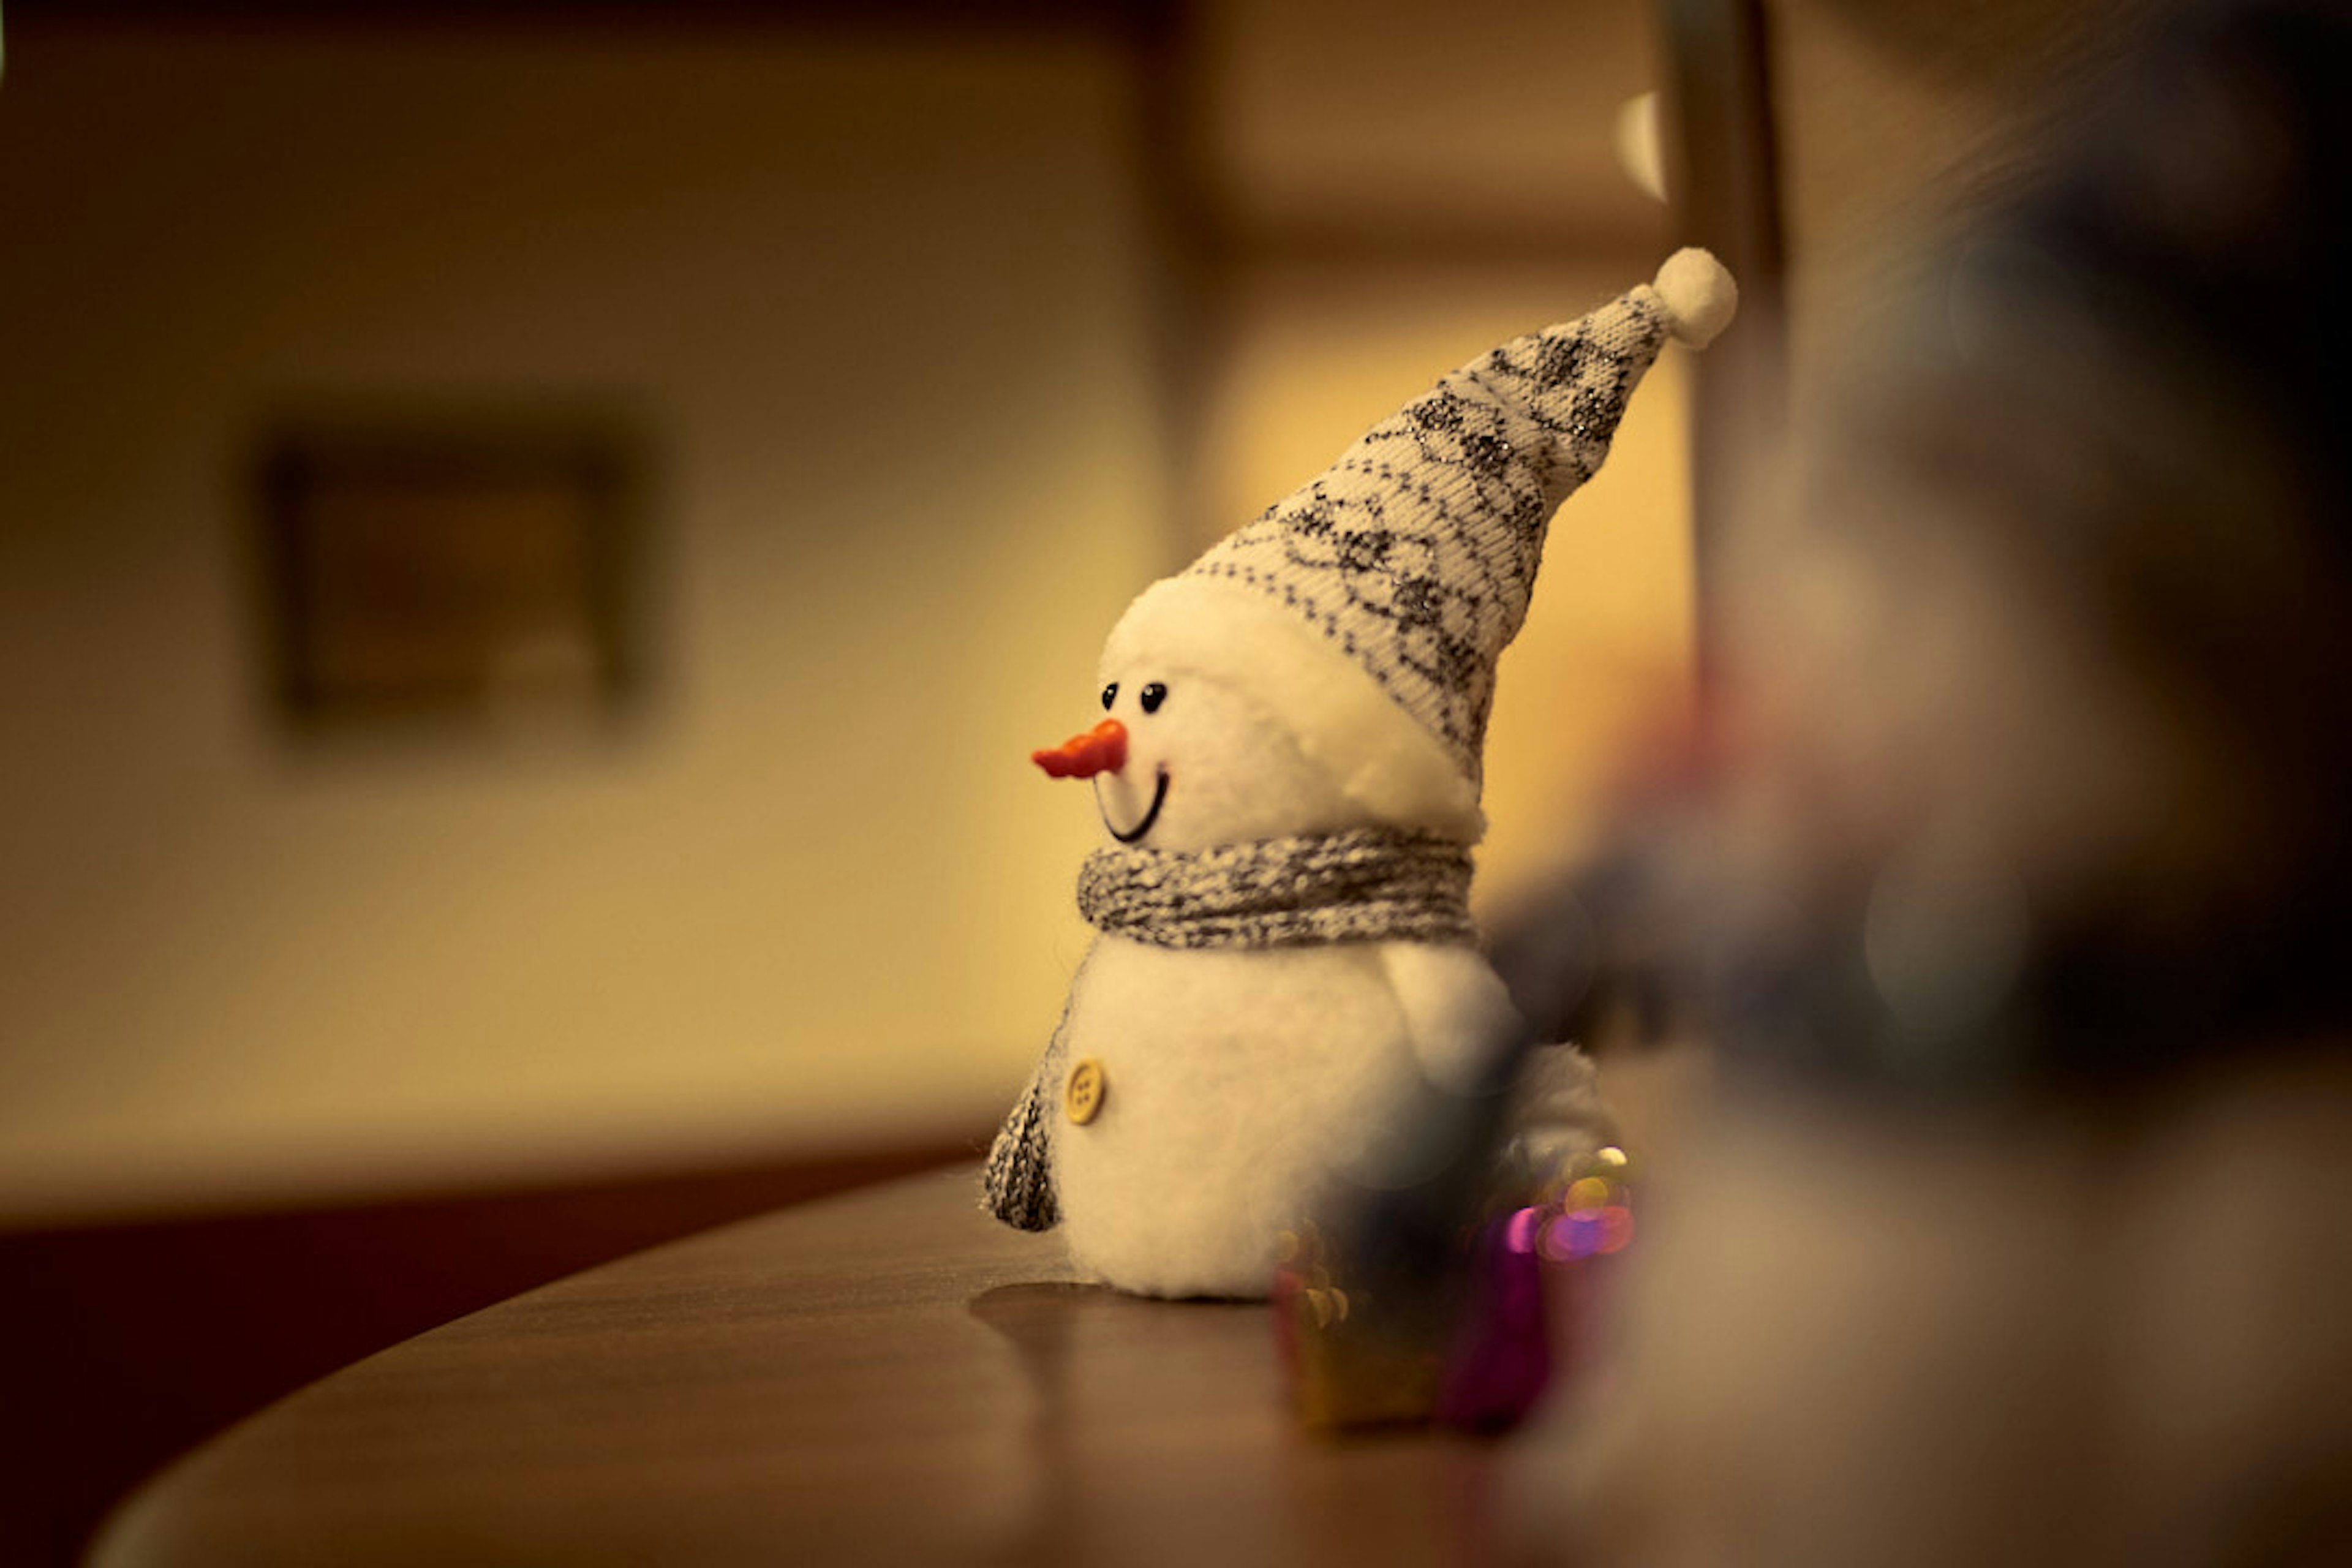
535, 540
926, 344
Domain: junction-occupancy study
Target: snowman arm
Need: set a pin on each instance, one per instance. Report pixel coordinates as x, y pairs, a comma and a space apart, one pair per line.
1557, 1116
1016, 1185
1457, 1012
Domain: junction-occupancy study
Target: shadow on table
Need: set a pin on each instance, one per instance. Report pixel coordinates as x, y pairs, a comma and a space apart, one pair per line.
1161, 1431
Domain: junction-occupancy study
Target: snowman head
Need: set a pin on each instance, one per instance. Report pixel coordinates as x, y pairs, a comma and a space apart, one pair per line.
1203, 763
1227, 723
1331, 663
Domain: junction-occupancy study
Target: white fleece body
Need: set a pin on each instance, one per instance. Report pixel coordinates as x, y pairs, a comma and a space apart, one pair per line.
1240, 1084
1347, 752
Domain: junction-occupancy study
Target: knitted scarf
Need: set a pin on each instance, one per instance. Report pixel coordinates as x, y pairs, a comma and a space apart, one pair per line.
1368, 884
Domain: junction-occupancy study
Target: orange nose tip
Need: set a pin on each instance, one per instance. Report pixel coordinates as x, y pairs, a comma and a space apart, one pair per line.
1101, 750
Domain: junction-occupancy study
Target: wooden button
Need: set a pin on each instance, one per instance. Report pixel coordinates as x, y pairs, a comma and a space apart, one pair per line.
1082, 1096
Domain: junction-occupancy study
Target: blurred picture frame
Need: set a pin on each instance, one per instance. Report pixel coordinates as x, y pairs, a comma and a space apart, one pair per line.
446, 568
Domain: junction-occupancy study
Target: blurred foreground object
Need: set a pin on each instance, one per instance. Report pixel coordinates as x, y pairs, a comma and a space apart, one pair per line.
1471, 1334
2013, 885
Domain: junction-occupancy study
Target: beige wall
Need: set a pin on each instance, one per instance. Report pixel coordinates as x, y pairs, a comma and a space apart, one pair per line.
886, 310
880, 307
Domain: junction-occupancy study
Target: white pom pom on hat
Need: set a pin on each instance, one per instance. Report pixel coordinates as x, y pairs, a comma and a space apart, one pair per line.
1698, 295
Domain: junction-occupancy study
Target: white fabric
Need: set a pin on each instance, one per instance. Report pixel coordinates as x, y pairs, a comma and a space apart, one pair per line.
1369, 761
1698, 295
1242, 1085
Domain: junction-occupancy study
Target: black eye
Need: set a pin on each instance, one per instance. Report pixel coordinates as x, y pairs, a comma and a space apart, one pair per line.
1153, 696
1111, 694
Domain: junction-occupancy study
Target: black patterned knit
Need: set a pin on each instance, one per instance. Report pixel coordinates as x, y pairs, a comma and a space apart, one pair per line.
1416, 551
1368, 884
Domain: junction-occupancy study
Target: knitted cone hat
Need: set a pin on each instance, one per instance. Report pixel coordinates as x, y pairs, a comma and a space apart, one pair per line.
1411, 559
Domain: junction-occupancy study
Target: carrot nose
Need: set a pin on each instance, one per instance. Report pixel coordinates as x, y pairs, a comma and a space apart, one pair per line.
1101, 750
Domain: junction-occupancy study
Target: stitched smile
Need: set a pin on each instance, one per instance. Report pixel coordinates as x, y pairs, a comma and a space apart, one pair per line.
1158, 797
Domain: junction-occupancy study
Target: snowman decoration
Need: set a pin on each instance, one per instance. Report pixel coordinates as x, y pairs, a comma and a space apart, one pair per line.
1288, 774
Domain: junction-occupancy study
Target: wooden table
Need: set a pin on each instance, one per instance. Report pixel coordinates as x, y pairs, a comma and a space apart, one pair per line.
887, 1376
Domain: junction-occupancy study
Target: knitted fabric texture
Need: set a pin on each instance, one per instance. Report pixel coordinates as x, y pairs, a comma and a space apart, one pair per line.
1417, 551
1016, 1185
1368, 884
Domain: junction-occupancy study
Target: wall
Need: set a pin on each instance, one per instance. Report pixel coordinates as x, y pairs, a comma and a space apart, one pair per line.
893, 309
880, 305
